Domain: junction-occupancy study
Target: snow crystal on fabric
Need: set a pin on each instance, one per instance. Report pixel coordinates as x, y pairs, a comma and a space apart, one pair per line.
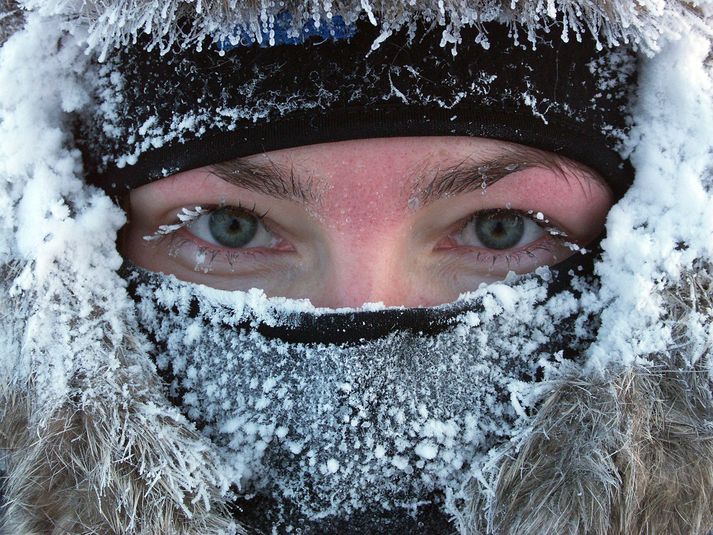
158, 108
342, 428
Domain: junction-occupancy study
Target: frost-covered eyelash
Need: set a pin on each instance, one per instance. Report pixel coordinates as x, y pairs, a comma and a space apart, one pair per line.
517, 256
205, 256
557, 233
185, 217
512, 258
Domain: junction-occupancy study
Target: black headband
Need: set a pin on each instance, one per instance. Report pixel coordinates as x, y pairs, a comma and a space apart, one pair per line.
158, 115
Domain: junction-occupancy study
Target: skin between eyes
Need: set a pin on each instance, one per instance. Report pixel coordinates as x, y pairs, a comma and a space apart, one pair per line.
365, 240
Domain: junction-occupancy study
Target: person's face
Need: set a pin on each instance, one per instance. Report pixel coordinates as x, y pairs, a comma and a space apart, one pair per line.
402, 221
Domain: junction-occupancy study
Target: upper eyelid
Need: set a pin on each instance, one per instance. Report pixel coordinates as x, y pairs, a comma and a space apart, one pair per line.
546, 223
240, 206
187, 215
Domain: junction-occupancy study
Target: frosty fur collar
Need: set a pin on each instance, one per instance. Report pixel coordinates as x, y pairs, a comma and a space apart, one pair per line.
622, 441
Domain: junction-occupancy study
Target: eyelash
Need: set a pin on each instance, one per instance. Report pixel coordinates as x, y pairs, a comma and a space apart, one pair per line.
206, 255
169, 235
555, 236
484, 257
176, 241
186, 216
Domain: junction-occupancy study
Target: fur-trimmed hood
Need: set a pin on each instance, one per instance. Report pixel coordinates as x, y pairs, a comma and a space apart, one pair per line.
617, 441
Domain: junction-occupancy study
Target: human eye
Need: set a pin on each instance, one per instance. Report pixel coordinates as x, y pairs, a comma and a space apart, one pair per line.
499, 230
232, 227
221, 240
495, 241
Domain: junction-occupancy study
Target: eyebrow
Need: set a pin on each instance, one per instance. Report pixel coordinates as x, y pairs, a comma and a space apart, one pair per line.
427, 185
269, 179
471, 175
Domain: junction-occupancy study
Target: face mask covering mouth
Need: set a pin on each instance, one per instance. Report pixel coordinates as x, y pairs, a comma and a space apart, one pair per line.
372, 432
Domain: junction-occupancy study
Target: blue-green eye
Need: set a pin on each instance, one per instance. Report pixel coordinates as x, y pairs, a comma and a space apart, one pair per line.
499, 230
232, 227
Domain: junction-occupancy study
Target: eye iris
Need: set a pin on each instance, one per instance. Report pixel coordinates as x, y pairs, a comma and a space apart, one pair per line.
499, 230
231, 227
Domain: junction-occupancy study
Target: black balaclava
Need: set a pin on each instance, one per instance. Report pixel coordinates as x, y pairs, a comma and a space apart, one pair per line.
356, 422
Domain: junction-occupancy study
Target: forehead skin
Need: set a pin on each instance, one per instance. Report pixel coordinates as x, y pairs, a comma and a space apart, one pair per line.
363, 182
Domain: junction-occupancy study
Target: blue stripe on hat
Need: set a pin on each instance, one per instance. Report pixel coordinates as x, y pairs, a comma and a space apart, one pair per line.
283, 33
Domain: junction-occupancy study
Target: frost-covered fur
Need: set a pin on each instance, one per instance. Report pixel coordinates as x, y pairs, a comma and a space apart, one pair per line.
113, 456
621, 443
10, 18
623, 454
119, 22
104, 470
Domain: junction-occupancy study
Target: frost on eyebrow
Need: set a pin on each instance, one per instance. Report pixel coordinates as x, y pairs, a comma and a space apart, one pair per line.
470, 174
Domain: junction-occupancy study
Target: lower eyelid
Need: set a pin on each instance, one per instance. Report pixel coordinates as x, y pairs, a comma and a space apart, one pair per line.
188, 237
544, 251
547, 238
191, 254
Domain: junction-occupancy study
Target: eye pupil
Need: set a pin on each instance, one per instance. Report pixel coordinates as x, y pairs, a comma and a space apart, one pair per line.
232, 227
499, 229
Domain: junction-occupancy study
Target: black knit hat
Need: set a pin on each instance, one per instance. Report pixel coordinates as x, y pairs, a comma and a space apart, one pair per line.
159, 115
